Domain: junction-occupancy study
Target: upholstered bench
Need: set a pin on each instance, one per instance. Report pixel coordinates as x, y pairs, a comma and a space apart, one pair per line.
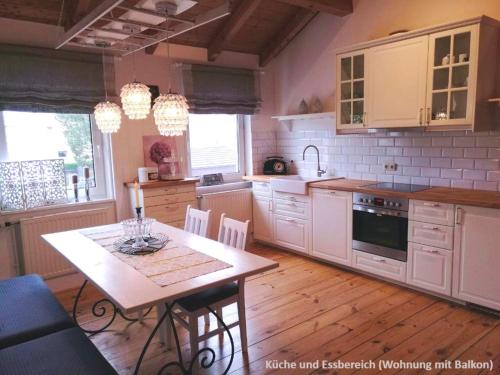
29, 310
61, 353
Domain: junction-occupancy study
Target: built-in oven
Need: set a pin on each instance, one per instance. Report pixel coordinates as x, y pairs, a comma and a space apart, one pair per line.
380, 226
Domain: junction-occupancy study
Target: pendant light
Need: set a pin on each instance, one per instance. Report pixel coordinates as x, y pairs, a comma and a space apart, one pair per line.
171, 110
136, 98
108, 115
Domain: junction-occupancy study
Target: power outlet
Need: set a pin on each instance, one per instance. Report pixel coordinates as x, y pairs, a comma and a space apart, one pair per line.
391, 167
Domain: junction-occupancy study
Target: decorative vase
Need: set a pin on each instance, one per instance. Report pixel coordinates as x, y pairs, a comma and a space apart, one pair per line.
315, 106
303, 107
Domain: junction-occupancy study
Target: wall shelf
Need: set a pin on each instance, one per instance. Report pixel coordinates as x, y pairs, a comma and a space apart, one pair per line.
494, 100
288, 119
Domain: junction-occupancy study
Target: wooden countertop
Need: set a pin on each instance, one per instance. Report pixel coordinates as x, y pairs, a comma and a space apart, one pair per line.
159, 184
480, 198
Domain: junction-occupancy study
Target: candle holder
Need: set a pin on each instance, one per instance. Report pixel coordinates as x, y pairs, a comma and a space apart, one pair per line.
138, 229
87, 188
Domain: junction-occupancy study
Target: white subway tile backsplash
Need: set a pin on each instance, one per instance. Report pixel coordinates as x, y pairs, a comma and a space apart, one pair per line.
451, 173
474, 174
446, 159
462, 163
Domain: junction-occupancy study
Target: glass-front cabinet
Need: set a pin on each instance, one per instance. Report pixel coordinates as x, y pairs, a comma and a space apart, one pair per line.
451, 77
351, 109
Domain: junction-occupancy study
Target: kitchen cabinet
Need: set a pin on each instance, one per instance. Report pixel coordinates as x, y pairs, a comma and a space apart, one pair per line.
262, 218
385, 267
440, 78
432, 212
476, 262
292, 233
351, 111
429, 268
332, 225
430, 234
396, 88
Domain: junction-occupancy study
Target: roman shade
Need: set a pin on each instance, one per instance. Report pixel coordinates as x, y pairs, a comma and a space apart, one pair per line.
215, 89
45, 80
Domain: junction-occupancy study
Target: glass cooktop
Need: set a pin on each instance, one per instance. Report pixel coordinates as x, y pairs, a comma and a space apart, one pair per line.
392, 186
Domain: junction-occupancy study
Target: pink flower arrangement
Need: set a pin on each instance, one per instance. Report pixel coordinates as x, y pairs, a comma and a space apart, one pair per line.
159, 151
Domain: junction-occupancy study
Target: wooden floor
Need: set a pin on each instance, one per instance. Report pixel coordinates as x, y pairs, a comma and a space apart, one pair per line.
306, 311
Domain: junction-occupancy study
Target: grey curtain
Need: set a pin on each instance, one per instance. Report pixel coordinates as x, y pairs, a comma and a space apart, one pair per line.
215, 89
45, 80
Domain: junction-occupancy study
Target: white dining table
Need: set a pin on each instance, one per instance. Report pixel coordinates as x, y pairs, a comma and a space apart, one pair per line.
131, 290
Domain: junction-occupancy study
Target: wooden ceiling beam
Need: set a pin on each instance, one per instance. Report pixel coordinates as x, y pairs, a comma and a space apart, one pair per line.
335, 7
233, 24
294, 26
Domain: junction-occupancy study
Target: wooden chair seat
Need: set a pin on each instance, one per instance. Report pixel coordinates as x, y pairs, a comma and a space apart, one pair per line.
208, 297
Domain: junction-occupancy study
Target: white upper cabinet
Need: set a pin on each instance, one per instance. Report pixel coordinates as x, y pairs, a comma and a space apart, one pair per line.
452, 76
439, 78
351, 111
396, 89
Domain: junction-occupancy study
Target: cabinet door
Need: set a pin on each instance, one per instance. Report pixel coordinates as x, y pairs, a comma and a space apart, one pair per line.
476, 261
332, 225
262, 219
452, 76
351, 80
429, 268
292, 233
396, 89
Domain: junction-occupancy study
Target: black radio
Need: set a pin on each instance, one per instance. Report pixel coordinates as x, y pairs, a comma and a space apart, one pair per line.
275, 165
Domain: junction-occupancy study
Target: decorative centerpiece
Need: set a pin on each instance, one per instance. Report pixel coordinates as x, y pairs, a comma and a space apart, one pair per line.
138, 239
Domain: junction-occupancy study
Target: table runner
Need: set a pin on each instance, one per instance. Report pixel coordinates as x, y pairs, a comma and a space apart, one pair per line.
172, 264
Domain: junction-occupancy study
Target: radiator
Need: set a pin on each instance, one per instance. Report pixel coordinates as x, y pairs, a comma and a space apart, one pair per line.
236, 204
38, 256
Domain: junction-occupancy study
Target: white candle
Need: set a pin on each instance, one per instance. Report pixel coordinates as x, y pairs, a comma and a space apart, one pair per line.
86, 172
136, 190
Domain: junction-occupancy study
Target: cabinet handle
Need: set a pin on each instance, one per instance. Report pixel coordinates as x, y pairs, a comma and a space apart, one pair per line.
429, 250
420, 116
432, 204
428, 116
333, 192
270, 206
380, 260
431, 228
458, 220
290, 220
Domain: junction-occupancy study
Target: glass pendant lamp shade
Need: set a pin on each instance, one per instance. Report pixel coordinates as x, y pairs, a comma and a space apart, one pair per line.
136, 100
108, 117
171, 114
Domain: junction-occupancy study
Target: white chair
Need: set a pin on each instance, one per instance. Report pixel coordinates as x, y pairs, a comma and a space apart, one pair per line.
197, 221
232, 233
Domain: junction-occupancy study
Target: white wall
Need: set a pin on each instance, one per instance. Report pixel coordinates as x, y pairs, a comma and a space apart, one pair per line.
307, 67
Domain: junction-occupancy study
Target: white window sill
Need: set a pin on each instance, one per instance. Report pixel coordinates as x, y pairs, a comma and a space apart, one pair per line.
200, 190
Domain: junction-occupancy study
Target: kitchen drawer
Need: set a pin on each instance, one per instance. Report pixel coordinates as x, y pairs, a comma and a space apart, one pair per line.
430, 234
292, 197
292, 233
429, 268
290, 208
169, 212
157, 200
169, 190
432, 212
262, 188
385, 267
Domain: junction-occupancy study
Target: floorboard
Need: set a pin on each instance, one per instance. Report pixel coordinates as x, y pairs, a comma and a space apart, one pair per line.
307, 310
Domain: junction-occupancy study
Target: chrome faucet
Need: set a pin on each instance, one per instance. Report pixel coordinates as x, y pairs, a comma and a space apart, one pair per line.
321, 172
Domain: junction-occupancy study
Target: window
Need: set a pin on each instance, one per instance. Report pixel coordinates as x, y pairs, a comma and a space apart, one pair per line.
71, 138
216, 145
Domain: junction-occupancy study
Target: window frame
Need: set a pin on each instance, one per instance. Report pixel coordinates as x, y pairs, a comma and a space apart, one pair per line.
103, 166
228, 177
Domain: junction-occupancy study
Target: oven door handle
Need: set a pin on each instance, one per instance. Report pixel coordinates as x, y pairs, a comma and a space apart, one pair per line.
379, 213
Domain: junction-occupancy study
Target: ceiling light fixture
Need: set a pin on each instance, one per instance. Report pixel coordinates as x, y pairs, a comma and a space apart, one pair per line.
136, 98
108, 115
171, 110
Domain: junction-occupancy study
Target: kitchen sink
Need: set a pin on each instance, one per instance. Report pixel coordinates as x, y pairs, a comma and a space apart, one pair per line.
296, 184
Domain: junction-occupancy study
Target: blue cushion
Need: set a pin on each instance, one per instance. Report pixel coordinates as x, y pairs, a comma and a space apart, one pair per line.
208, 297
61, 353
28, 310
